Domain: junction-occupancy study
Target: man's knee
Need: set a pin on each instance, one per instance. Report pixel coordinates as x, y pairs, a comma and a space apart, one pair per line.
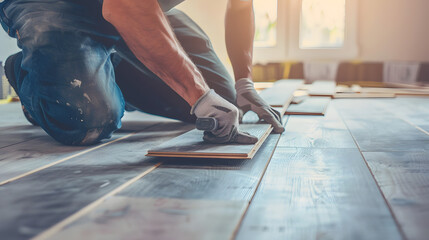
79, 123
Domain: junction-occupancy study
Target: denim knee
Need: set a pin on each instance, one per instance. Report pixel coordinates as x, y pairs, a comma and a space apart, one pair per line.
80, 122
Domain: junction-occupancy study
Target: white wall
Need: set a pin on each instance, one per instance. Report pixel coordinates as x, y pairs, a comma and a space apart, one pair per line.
210, 15
394, 30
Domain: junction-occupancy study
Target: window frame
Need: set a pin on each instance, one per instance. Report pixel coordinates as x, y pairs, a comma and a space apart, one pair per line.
288, 30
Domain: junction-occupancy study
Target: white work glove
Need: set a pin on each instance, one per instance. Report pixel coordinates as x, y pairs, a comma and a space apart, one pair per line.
249, 100
211, 105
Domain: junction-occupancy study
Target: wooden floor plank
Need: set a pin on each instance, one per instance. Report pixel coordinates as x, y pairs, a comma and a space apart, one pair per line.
326, 131
22, 156
191, 144
40, 200
318, 194
376, 128
322, 88
363, 95
404, 179
157, 218
230, 183
310, 106
413, 110
281, 92
14, 135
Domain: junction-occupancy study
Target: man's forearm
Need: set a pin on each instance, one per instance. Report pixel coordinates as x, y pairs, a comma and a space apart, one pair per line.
239, 34
145, 29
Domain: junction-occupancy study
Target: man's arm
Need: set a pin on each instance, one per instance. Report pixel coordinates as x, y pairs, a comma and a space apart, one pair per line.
239, 34
146, 31
240, 31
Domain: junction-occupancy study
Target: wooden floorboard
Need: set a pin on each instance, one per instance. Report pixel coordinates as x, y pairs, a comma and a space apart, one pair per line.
38, 201
318, 185
191, 144
404, 179
322, 88
326, 131
22, 156
156, 218
14, 135
413, 110
200, 181
310, 106
281, 92
318, 194
376, 127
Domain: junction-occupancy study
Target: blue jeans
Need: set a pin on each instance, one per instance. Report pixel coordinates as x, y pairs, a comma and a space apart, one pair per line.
76, 75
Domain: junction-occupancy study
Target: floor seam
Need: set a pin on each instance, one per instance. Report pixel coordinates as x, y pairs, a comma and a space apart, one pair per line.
88, 208
237, 228
401, 231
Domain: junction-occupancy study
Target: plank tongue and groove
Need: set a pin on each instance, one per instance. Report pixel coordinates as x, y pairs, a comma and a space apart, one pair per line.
281, 93
310, 106
322, 88
191, 144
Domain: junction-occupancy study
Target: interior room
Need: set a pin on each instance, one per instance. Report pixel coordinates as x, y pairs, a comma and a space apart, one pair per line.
226, 119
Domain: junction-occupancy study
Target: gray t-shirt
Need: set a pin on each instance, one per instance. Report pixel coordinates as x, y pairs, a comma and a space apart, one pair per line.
168, 4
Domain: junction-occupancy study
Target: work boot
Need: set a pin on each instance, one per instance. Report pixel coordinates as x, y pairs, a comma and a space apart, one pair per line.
9, 70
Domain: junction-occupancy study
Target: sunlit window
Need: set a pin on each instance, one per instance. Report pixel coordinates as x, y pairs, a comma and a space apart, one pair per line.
322, 24
265, 23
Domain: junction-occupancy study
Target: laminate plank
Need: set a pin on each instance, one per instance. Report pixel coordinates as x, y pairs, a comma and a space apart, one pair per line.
27, 156
157, 218
364, 95
412, 110
281, 93
376, 127
404, 178
318, 194
11, 136
310, 106
322, 88
31, 149
327, 131
38, 201
214, 179
182, 183
191, 144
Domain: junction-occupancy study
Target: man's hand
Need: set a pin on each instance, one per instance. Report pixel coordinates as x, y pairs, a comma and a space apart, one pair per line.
214, 106
248, 99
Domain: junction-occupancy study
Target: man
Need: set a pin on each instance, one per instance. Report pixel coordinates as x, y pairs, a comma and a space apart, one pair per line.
84, 61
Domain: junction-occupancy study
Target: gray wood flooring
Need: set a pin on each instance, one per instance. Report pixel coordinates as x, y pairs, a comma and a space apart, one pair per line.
359, 172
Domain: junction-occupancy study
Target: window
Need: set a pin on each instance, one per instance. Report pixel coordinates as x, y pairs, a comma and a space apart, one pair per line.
265, 23
322, 24
305, 30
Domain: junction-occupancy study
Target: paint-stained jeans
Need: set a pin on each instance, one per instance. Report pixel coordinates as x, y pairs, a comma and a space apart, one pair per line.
74, 84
